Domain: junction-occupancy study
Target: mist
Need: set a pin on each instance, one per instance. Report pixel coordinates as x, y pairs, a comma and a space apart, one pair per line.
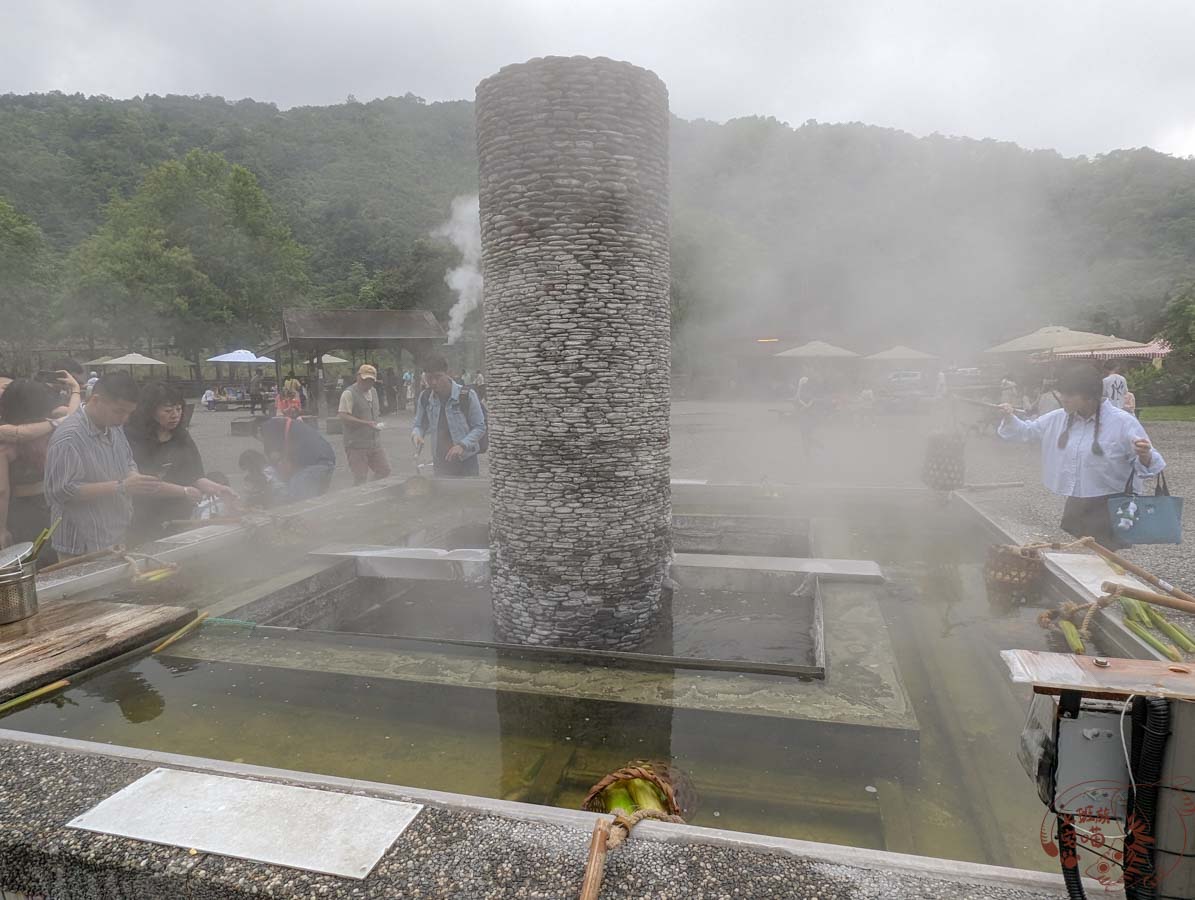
463, 229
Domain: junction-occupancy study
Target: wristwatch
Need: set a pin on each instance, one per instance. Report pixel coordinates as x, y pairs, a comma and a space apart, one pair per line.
120, 489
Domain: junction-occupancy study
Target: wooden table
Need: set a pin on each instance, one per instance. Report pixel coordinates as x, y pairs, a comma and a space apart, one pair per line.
64, 638
1055, 673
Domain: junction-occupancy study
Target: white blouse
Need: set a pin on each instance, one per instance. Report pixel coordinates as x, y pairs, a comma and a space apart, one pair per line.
1074, 471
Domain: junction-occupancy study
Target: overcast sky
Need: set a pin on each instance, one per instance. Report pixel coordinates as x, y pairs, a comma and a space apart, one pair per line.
1082, 76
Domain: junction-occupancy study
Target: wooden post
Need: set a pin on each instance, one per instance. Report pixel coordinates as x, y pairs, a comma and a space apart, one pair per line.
595, 867
317, 395
1143, 574
1124, 590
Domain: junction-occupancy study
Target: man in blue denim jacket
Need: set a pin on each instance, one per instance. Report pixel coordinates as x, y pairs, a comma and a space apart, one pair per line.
451, 417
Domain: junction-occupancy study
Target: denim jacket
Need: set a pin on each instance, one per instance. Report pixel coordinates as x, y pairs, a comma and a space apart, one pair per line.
427, 418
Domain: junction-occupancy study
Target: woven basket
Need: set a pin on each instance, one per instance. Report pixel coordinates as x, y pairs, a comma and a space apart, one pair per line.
944, 467
1013, 567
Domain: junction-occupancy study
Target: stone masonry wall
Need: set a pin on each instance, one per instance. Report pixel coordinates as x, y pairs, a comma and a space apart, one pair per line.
573, 157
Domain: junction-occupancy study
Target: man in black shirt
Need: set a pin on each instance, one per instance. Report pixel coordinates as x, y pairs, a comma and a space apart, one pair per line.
303, 458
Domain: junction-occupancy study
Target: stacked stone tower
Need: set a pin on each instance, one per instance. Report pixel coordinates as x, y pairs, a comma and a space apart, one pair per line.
573, 157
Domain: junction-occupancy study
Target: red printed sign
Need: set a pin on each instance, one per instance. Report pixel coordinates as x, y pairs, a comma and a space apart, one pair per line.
1119, 853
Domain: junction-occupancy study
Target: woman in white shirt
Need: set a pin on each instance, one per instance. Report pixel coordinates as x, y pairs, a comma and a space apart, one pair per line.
1089, 450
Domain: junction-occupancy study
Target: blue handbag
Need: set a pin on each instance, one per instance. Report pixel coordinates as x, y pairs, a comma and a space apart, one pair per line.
1141, 519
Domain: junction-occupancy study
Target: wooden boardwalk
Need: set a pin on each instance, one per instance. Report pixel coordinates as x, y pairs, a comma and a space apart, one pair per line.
64, 638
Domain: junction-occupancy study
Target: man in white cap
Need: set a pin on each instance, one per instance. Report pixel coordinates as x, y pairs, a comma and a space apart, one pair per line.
359, 411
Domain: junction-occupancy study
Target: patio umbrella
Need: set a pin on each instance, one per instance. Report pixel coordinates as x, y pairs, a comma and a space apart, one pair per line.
900, 353
134, 359
237, 356
102, 361
1059, 337
817, 350
328, 359
1155, 349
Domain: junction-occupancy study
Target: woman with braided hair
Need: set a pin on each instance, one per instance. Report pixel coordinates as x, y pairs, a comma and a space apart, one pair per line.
1089, 450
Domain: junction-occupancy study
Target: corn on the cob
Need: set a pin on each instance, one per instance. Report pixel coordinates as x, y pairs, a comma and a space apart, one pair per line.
1158, 644
1134, 610
1181, 639
1071, 633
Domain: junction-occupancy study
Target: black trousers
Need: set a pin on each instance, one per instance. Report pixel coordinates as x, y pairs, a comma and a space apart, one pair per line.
1088, 517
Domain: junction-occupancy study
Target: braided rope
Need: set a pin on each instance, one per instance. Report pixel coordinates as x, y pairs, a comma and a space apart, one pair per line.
620, 828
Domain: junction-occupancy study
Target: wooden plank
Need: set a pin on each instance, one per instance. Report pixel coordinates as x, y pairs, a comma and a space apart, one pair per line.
899, 835
64, 638
1050, 673
547, 781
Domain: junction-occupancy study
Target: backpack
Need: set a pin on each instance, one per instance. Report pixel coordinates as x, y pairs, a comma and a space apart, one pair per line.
482, 445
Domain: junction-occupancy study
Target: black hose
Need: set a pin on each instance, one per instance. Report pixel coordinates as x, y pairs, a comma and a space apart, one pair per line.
1152, 714
1071, 874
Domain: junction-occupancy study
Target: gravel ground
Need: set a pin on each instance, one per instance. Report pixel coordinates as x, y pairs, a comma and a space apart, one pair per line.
443, 854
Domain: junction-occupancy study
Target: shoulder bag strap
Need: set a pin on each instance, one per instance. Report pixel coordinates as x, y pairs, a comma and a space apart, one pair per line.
1128, 485
465, 390
1162, 489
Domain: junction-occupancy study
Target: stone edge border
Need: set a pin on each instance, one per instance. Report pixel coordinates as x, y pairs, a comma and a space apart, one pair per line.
833, 854
1061, 584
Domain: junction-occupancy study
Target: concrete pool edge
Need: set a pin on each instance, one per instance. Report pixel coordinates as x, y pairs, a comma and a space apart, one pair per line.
1061, 585
917, 867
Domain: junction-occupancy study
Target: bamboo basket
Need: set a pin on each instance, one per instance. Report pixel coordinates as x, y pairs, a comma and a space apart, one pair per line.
1017, 568
945, 465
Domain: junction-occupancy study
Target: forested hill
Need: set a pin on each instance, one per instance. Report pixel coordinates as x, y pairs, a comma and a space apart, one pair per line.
865, 235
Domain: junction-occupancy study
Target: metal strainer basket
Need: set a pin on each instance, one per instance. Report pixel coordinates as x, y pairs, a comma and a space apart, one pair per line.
18, 592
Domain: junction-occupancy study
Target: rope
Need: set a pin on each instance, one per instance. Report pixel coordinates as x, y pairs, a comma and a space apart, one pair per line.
620, 828
1054, 545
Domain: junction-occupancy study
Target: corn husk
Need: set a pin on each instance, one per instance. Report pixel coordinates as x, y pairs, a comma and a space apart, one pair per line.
1181, 639
1158, 644
1071, 633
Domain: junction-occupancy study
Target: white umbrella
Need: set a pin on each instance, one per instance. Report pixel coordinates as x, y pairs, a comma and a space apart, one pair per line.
263, 359
1059, 337
817, 350
134, 359
328, 359
237, 356
900, 353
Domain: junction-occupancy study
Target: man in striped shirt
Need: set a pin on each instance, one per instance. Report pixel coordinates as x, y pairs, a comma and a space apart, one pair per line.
90, 473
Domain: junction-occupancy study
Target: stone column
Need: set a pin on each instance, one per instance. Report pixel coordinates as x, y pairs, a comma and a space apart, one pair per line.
573, 157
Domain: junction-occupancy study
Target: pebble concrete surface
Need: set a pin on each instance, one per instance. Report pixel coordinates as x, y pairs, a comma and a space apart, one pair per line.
444, 853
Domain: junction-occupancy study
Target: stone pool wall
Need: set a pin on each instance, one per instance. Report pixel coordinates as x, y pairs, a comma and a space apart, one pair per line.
573, 156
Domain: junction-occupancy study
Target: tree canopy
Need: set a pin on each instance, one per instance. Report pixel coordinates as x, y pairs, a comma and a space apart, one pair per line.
851, 233
27, 273
195, 256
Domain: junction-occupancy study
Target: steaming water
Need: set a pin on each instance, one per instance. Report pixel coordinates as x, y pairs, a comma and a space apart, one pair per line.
768, 628
286, 703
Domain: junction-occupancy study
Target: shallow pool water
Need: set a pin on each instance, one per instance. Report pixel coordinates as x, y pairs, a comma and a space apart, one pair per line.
764, 753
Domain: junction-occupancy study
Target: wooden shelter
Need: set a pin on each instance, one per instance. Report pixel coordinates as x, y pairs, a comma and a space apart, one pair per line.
314, 332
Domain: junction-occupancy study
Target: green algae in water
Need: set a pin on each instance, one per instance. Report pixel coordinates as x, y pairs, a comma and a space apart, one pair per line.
955, 792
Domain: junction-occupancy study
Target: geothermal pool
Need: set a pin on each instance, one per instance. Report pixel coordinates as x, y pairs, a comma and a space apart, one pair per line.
908, 744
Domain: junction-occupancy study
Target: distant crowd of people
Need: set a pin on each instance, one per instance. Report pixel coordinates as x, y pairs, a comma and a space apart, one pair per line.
114, 463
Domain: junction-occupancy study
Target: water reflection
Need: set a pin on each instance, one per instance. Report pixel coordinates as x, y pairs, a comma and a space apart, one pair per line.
137, 699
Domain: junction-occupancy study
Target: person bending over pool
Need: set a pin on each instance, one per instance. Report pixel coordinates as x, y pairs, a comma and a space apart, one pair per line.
1089, 449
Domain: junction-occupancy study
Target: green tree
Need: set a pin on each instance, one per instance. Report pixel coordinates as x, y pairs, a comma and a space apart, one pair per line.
195, 258
27, 277
1174, 381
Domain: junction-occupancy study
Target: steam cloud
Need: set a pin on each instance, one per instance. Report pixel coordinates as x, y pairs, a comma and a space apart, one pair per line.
464, 230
